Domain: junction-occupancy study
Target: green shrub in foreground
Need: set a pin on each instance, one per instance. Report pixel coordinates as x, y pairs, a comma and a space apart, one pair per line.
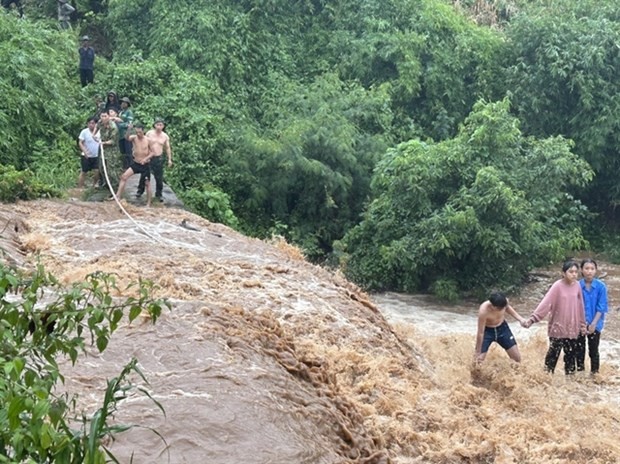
22, 185
37, 423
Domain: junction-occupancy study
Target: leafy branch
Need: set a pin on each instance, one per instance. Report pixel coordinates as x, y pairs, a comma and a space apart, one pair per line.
41, 320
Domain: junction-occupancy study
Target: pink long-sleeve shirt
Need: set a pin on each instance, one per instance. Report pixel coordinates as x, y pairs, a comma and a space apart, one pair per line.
564, 303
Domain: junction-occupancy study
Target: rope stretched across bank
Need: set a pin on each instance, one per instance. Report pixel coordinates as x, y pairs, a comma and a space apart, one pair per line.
116, 199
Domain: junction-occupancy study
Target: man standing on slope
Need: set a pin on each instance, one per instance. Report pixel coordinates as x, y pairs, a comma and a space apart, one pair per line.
87, 62
64, 14
159, 141
140, 163
112, 156
89, 144
18, 4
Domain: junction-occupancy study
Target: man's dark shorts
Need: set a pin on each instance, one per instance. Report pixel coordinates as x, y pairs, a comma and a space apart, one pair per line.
144, 169
500, 334
89, 164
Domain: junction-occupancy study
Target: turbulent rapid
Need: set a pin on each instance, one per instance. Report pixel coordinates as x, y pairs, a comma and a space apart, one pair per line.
265, 358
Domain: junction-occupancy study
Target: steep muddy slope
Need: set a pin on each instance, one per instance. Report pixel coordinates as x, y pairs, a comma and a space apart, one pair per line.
263, 358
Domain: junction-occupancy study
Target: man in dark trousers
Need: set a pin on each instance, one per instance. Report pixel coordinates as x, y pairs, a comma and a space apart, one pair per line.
87, 62
159, 143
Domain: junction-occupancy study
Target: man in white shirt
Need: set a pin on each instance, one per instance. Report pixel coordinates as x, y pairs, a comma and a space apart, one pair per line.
89, 144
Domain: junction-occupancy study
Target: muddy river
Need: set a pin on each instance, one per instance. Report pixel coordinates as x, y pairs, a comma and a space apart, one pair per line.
265, 358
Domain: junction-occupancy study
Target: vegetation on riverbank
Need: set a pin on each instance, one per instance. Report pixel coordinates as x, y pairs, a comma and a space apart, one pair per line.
285, 118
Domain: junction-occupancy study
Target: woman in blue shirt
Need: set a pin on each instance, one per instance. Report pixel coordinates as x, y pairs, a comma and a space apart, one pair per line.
594, 294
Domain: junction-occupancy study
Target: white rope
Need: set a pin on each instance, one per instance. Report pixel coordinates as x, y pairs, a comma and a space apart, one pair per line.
107, 178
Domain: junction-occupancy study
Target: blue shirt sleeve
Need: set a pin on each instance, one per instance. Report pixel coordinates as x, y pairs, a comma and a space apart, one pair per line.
601, 301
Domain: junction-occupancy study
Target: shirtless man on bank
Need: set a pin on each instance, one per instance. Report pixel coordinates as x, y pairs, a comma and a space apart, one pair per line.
142, 155
160, 142
492, 327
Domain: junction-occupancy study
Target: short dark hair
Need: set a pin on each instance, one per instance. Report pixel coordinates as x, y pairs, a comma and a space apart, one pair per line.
498, 300
589, 260
568, 264
139, 126
92, 118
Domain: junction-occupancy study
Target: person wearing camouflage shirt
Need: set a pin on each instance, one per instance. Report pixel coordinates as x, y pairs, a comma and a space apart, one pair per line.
113, 159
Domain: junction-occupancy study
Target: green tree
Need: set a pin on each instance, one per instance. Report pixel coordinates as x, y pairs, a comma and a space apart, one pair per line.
435, 61
310, 167
469, 213
38, 98
562, 60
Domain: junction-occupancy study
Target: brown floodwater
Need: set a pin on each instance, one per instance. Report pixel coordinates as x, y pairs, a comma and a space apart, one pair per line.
265, 358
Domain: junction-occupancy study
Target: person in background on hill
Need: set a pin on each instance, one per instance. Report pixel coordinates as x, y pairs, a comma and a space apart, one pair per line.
160, 142
109, 142
112, 102
89, 144
140, 163
87, 62
18, 5
64, 14
126, 118
492, 327
564, 303
594, 294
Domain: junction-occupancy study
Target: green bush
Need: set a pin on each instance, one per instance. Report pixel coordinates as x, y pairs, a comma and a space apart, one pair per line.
480, 209
562, 60
22, 185
38, 84
446, 289
211, 203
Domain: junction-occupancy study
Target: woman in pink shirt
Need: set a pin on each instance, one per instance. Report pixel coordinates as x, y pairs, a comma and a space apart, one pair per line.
564, 304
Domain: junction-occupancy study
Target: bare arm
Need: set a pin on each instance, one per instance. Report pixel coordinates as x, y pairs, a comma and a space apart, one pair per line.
482, 318
82, 147
510, 310
151, 151
168, 150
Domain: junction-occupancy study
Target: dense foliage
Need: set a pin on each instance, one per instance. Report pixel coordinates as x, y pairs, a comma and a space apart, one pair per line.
468, 213
280, 110
291, 104
22, 185
562, 68
38, 102
40, 321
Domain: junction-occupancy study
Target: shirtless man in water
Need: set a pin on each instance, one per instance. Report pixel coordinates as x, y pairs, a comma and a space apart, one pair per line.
492, 327
160, 142
142, 155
